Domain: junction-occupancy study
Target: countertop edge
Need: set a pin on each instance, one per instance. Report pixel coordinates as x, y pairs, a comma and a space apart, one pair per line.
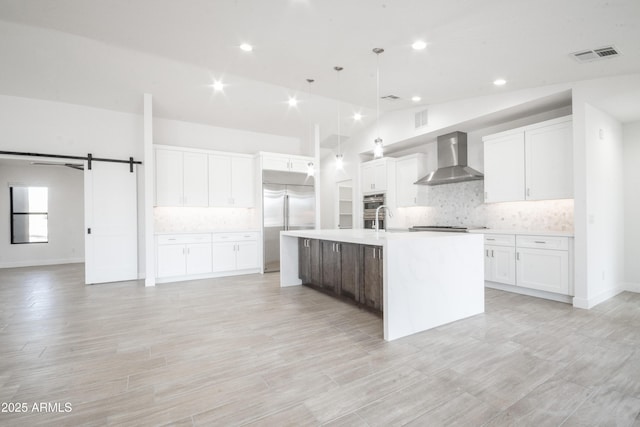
239, 230
369, 237
523, 232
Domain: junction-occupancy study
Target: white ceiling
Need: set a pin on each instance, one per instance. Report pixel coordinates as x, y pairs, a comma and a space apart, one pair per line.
107, 53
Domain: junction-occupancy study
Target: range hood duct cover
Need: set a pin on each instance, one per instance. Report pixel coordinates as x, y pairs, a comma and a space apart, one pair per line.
452, 162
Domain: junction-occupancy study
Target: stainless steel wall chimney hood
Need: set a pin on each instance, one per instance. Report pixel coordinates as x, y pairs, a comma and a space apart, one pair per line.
452, 162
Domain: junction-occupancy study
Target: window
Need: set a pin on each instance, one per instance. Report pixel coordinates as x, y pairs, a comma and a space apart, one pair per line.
29, 214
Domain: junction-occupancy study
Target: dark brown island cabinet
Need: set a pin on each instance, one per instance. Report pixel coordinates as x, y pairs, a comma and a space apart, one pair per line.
348, 271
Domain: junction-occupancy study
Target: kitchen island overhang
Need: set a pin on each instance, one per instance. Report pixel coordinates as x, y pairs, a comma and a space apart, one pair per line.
429, 278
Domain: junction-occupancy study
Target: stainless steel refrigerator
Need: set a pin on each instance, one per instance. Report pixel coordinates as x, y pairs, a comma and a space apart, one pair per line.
289, 203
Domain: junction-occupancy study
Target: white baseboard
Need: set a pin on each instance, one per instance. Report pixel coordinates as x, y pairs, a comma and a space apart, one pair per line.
530, 292
631, 287
160, 280
36, 263
588, 303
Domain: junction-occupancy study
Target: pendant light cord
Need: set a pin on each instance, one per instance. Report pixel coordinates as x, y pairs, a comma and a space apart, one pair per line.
378, 94
338, 69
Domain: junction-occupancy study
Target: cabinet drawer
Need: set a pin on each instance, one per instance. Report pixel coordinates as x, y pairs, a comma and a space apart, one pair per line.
500, 239
181, 239
235, 237
543, 242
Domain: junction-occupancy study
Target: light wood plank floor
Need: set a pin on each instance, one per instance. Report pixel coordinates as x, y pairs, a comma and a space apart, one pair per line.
242, 351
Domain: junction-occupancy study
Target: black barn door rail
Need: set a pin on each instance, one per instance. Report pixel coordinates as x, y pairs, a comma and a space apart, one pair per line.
89, 158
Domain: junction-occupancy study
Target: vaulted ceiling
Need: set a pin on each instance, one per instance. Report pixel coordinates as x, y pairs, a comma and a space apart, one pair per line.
106, 53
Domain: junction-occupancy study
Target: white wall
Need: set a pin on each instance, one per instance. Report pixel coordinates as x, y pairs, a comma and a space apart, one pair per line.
600, 221
33, 125
57, 128
597, 275
605, 203
194, 135
66, 215
631, 142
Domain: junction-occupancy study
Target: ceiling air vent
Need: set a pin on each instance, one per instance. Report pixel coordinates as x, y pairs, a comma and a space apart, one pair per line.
595, 54
390, 97
422, 118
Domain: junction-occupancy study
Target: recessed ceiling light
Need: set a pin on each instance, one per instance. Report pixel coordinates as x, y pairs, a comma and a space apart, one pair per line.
357, 117
499, 82
419, 45
416, 98
246, 47
218, 86
292, 102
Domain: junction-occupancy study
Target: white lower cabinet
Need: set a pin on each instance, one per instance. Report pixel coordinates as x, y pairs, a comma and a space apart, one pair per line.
529, 261
199, 258
170, 261
543, 263
184, 256
500, 264
235, 251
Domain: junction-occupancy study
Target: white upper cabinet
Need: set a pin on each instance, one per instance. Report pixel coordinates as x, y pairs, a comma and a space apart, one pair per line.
231, 181
408, 170
181, 178
275, 163
169, 179
549, 154
243, 182
374, 175
195, 179
504, 170
530, 163
286, 163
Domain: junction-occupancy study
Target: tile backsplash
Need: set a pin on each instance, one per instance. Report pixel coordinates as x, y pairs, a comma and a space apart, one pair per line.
462, 204
180, 220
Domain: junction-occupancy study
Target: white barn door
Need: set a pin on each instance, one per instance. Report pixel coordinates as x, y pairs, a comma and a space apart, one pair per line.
111, 223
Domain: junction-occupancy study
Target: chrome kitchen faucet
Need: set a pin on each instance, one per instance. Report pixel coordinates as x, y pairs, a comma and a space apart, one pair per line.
375, 223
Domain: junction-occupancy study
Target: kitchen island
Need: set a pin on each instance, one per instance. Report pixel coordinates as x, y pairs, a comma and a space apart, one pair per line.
428, 278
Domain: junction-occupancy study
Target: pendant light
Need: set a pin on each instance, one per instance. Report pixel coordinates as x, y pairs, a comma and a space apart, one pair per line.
378, 150
339, 158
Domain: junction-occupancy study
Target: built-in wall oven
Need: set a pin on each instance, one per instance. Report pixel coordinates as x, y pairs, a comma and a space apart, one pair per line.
370, 204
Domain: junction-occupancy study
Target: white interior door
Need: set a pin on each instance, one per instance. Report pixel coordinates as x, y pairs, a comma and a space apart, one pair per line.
111, 235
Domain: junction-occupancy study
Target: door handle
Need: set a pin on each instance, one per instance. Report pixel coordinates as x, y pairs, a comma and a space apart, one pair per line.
492, 254
374, 253
517, 256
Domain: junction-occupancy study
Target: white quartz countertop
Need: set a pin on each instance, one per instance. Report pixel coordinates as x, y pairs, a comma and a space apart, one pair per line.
368, 237
524, 232
240, 230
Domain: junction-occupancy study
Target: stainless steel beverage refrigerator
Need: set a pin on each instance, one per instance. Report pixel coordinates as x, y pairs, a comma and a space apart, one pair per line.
289, 203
